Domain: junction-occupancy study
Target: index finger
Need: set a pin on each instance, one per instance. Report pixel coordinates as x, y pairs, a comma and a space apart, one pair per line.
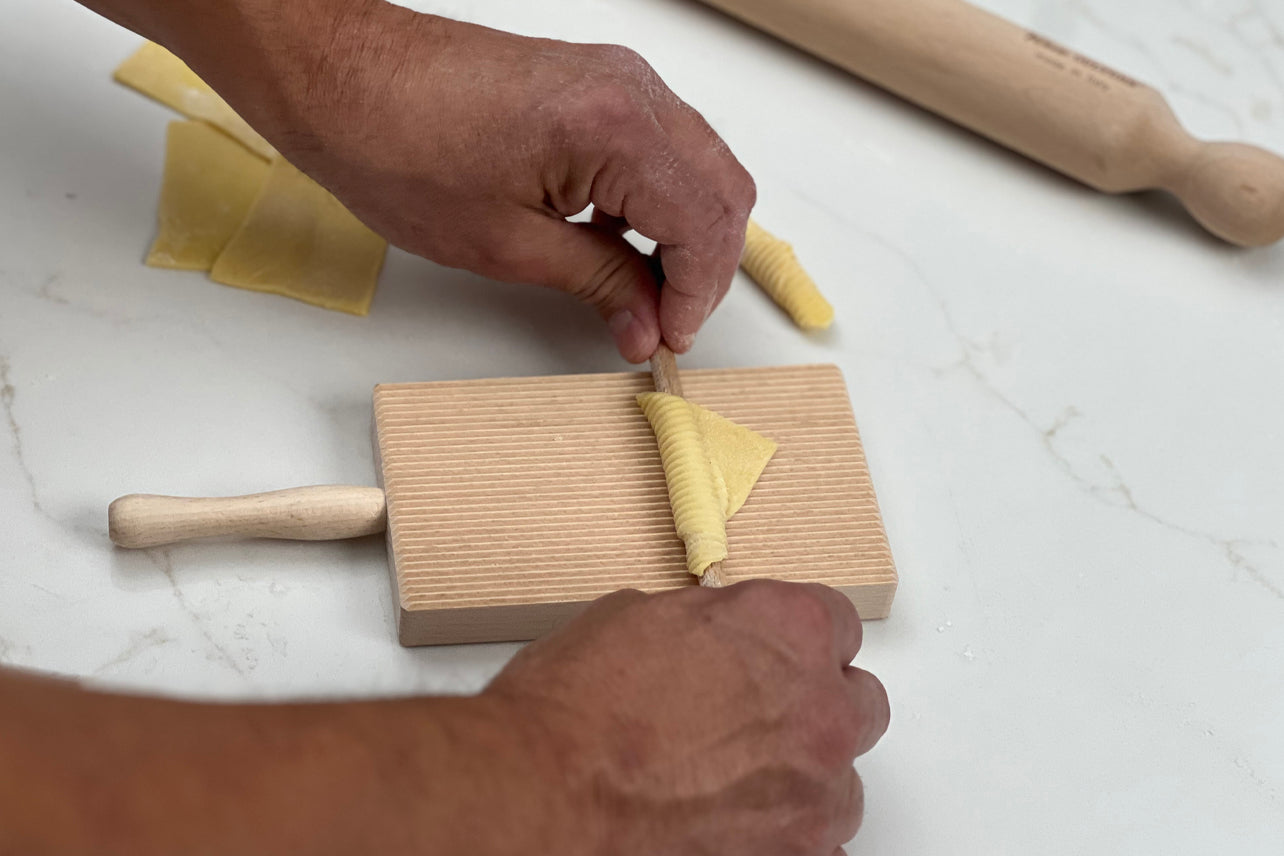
693, 199
695, 278
699, 284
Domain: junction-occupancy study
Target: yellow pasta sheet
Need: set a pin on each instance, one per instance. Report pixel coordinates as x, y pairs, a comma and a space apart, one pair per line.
210, 182
710, 466
299, 241
159, 74
772, 264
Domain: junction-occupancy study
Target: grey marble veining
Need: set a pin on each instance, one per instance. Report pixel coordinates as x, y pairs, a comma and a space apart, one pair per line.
1070, 405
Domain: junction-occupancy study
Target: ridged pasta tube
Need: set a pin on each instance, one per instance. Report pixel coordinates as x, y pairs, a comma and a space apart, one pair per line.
710, 466
693, 492
772, 264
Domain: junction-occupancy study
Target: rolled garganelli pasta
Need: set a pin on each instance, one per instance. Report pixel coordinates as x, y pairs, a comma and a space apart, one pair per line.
710, 466
772, 264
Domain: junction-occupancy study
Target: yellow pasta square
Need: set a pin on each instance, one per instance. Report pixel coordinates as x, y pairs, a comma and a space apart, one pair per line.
210, 182
159, 74
299, 241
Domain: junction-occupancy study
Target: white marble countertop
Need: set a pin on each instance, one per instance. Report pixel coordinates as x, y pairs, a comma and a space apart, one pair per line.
1071, 405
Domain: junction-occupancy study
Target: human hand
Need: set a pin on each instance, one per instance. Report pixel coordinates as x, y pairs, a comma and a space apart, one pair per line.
706, 721
471, 147
692, 722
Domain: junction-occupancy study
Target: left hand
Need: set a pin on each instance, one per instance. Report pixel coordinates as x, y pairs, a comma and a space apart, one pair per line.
471, 147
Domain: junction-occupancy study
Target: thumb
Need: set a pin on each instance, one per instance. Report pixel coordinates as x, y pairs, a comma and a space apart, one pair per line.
601, 269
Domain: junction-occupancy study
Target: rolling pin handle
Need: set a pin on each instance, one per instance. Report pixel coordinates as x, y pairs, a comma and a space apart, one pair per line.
1235, 191
318, 513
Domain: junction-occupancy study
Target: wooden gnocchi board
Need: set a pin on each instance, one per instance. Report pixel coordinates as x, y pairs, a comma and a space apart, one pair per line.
513, 503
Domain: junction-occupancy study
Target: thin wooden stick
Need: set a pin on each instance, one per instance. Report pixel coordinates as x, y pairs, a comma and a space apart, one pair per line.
713, 576
664, 372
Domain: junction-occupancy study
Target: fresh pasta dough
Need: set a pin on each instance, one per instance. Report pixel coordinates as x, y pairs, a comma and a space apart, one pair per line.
231, 205
159, 74
299, 241
739, 455
210, 182
772, 264
710, 466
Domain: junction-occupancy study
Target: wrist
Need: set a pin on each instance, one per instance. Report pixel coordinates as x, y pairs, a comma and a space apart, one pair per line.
286, 66
541, 803
343, 84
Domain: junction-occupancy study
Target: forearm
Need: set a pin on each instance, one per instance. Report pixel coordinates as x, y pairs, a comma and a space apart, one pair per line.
472, 147
277, 62
93, 772
202, 26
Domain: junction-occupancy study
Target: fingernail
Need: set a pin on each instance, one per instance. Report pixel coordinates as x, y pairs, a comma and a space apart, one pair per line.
619, 323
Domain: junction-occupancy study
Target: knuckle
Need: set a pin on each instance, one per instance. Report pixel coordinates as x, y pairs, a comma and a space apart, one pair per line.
741, 191
835, 733
810, 832
601, 111
611, 104
792, 610
748, 190
724, 217
736, 195
810, 619
624, 59
762, 596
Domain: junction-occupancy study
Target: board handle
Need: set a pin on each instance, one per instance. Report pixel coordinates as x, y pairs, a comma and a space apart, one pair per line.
318, 513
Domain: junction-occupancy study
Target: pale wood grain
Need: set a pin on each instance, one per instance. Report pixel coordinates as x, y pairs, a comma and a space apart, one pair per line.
513, 503
318, 513
1048, 102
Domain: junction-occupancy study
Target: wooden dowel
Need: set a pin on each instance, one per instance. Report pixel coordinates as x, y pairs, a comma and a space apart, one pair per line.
664, 372
713, 577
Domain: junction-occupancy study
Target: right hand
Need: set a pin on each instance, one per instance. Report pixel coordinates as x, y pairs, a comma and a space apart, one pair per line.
706, 721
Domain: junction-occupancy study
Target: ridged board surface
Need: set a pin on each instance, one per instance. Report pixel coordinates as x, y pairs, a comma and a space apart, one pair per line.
513, 502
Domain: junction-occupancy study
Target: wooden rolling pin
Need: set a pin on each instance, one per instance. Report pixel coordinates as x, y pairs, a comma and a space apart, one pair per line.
1035, 96
664, 372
